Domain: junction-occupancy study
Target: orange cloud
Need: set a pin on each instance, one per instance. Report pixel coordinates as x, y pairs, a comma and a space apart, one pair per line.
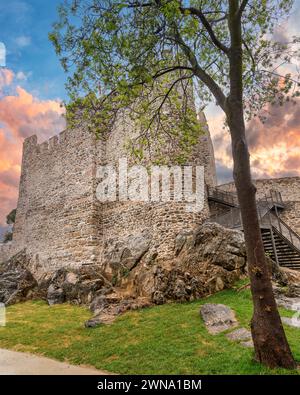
274, 146
21, 115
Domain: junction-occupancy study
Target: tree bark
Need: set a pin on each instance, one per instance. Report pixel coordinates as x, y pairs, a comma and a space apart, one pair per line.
271, 346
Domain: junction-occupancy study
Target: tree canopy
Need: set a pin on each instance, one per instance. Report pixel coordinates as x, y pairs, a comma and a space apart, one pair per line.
143, 56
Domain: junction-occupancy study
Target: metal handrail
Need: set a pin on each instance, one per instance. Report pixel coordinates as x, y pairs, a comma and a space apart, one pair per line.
225, 196
275, 198
232, 218
285, 230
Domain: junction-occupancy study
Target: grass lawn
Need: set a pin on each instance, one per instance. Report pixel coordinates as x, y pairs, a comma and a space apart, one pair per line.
168, 339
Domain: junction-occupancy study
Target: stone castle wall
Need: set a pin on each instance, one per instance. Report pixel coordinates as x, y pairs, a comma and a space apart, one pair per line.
163, 221
5, 251
55, 219
61, 223
289, 187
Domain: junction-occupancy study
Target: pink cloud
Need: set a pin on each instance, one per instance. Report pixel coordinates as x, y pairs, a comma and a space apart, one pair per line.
21, 115
274, 146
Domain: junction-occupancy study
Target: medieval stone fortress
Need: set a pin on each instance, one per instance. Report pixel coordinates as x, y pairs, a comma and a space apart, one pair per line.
147, 250
60, 222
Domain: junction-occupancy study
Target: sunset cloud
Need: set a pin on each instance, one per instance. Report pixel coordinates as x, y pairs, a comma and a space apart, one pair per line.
21, 115
274, 146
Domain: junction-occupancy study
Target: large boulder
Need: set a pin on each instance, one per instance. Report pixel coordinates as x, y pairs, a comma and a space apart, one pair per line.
77, 286
205, 261
123, 255
219, 246
16, 281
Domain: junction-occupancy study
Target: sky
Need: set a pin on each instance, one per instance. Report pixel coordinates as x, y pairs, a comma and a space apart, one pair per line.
32, 89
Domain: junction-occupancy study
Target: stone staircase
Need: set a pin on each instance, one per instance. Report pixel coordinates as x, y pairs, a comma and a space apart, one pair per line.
281, 242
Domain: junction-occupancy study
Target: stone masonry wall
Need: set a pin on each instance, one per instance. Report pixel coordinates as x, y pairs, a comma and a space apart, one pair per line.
162, 220
55, 220
5, 251
59, 220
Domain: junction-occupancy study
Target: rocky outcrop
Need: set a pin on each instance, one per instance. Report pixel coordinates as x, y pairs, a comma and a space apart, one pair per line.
292, 285
206, 261
122, 256
77, 286
107, 307
16, 281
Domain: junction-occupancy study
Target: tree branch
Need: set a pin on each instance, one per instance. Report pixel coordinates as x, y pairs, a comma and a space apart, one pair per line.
169, 70
201, 73
137, 4
197, 12
242, 7
251, 56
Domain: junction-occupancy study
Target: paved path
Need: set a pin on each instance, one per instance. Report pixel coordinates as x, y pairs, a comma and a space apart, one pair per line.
19, 363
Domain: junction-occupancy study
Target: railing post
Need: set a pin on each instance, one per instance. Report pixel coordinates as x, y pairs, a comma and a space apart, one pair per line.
279, 224
273, 240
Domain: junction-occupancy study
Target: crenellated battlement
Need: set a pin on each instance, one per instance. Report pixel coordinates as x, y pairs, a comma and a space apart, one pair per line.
31, 144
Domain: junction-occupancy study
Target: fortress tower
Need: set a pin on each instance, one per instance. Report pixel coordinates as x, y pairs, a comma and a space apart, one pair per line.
61, 223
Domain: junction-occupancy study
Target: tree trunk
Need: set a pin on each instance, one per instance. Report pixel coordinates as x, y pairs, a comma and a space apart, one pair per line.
271, 346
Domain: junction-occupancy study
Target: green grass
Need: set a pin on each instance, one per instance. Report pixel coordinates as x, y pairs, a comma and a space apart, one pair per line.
168, 339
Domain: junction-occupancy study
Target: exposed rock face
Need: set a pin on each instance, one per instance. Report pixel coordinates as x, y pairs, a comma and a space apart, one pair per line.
78, 286
122, 256
16, 281
208, 260
217, 317
278, 273
219, 246
107, 308
132, 276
